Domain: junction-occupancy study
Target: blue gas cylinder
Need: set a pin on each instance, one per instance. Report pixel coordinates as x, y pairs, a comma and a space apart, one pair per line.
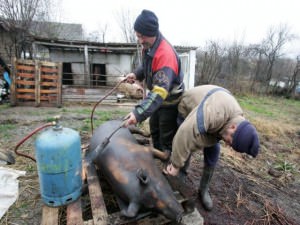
59, 164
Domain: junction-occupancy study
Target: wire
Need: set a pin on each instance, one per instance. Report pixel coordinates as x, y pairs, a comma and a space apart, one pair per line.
27, 137
111, 91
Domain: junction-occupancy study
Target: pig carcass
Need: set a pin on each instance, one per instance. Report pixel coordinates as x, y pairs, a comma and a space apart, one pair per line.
132, 172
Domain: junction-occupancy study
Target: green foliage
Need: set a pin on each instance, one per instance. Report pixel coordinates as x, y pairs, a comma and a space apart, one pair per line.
4, 106
100, 117
5, 129
284, 166
271, 107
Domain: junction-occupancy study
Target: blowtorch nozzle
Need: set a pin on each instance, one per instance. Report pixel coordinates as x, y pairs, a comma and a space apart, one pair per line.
56, 122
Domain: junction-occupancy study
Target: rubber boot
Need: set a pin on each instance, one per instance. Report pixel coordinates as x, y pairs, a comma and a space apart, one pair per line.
204, 186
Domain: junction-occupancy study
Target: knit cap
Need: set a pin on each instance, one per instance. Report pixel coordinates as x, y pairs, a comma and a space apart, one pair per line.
245, 139
147, 23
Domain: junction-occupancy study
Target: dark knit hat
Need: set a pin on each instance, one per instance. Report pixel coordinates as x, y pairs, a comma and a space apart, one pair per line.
245, 139
147, 23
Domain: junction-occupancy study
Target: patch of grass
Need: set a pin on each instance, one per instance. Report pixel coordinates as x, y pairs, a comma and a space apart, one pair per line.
4, 106
270, 107
101, 117
6, 129
86, 111
284, 166
256, 105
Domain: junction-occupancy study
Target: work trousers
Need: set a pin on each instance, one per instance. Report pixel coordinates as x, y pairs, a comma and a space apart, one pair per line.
211, 155
163, 127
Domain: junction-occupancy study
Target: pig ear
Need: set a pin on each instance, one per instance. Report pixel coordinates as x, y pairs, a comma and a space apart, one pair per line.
143, 176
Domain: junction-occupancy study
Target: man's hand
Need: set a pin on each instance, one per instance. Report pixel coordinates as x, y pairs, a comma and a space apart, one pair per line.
130, 78
171, 170
130, 120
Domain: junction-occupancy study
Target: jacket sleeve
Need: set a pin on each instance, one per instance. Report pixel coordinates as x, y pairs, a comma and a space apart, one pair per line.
184, 143
139, 73
161, 83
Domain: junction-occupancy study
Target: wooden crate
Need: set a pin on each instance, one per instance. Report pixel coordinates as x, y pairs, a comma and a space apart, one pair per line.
74, 215
36, 83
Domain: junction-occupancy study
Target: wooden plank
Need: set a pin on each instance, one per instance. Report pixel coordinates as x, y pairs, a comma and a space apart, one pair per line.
50, 216
99, 211
116, 218
51, 91
25, 75
26, 61
59, 84
48, 84
25, 82
13, 100
28, 97
47, 63
74, 213
25, 67
49, 77
37, 75
24, 90
49, 69
48, 98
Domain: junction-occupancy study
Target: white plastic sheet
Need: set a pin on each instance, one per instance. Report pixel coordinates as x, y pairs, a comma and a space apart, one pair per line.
9, 187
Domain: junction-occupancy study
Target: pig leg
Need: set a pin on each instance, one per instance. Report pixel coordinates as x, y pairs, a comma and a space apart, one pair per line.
142, 141
136, 130
128, 211
162, 155
132, 210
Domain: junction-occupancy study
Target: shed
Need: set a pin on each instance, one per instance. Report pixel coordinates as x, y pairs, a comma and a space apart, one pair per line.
90, 68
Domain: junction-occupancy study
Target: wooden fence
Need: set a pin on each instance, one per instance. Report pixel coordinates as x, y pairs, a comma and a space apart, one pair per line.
36, 83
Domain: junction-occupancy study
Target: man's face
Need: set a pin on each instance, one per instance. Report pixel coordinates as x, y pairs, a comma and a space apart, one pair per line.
227, 136
147, 42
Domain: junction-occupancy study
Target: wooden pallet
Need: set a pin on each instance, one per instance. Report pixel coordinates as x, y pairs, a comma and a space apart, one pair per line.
36, 83
74, 211
50, 215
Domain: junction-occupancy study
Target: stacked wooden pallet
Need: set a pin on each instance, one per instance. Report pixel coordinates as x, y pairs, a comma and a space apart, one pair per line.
36, 83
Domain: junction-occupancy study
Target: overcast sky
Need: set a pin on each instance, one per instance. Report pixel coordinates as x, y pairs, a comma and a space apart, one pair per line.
193, 22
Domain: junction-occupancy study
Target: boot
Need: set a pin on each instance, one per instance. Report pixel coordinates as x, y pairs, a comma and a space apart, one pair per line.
204, 186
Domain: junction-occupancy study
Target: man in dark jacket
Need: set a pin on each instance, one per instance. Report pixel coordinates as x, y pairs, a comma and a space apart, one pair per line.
163, 76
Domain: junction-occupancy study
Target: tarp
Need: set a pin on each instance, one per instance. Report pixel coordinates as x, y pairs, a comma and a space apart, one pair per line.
9, 186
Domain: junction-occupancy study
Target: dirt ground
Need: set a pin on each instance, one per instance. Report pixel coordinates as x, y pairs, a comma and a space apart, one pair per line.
264, 190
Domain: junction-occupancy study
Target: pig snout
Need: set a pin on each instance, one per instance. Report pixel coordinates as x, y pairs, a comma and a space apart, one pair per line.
174, 212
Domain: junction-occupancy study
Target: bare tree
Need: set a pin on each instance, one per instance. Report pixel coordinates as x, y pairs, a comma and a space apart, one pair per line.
125, 21
295, 77
18, 16
234, 52
103, 32
98, 35
272, 47
209, 63
254, 53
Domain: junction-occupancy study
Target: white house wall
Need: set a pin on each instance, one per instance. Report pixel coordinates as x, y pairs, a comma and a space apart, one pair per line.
115, 64
192, 67
188, 61
119, 64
